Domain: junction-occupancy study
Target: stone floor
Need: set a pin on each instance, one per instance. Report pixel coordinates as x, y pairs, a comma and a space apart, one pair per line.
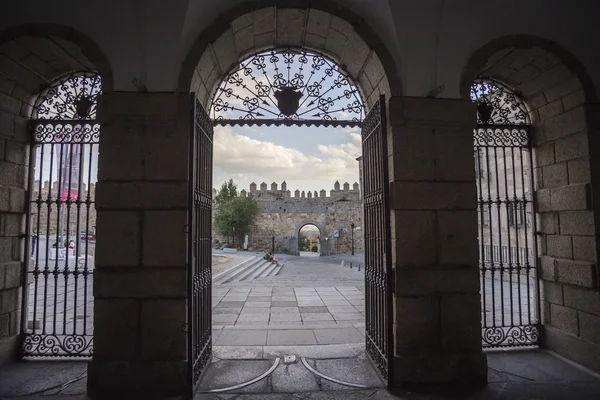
535, 375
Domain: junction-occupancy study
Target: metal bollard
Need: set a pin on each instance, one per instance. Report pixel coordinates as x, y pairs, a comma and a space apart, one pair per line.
358, 267
350, 265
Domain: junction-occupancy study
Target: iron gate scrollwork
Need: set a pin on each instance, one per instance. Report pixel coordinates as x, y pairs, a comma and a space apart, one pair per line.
377, 236
505, 204
199, 324
59, 256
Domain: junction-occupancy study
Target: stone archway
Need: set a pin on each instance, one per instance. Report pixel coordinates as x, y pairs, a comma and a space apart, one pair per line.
322, 232
560, 95
33, 57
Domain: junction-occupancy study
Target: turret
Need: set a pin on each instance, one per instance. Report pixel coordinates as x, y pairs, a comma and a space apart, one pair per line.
336, 185
355, 186
323, 193
252, 187
303, 195
283, 186
346, 186
296, 193
263, 187
274, 187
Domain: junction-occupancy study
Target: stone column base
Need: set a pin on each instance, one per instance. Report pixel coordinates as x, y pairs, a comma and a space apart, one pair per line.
459, 371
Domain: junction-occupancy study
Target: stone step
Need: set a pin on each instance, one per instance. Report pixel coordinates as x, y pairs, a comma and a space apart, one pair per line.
250, 271
231, 273
269, 271
258, 271
277, 270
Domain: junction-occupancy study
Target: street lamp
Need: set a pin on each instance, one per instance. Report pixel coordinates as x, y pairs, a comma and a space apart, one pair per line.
233, 235
352, 228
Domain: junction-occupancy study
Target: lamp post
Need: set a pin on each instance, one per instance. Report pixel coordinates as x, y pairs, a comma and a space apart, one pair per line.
233, 235
352, 228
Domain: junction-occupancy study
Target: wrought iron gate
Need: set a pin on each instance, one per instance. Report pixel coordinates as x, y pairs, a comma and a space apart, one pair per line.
377, 236
509, 282
60, 226
199, 243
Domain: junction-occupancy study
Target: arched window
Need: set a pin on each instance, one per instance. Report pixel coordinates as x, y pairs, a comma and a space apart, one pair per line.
62, 218
287, 87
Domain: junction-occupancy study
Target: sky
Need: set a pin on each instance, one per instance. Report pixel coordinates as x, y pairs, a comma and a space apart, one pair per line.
306, 158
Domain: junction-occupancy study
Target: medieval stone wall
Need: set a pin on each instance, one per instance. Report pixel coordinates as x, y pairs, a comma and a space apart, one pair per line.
282, 215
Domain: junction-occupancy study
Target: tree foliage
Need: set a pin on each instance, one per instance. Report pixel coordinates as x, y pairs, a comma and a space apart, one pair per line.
302, 242
233, 210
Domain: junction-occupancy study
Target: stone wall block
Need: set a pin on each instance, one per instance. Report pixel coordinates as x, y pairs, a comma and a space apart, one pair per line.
572, 147
584, 248
564, 318
420, 327
128, 109
579, 171
552, 292
413, 149
4, 199
118, 238
355, 54
564, 88
434, 195
162, 148
571, 198
577, 223
432, 113
548, 268
164, 242
141, 195
415, 245
559, 246
551, 110
140, 283
10, 300
570, 346
13, 274
459, 332
544, 154
120, 153
555, 175
548, 223
115, 341
291, 26
576, 273
318, 22
589, 327
457, 237
422, 280
543, 201
453, 151
224, 50
4, 325
163, 336
582, 299
264, 20
574, 99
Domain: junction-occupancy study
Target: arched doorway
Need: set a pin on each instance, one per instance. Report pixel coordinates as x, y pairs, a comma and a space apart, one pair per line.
555, 88
37, 62
309, 240
226, 81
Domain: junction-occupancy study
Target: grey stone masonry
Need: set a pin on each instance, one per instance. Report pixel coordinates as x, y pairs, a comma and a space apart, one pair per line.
437, 321
139, 343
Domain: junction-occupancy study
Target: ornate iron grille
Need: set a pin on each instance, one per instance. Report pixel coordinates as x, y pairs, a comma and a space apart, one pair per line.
508, 250
377, 236
199, 243
287, 87
61, 220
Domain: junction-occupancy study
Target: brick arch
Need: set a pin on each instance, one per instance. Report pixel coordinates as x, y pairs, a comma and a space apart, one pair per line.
559, 94
324, 27
322, 232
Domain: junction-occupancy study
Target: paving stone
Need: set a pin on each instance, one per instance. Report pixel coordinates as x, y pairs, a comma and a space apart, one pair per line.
291, 337
255, 310
292, 378
316, 317
337, 303
283, 298
258, 304
224, 318
258, 298
310, 303
338, 336
285, 318
285, 310
230, 304
284, 304
215, 334
236, 310
342, 309
242, 338
315, 309
226, 373
237, 352
262, 318
352, 370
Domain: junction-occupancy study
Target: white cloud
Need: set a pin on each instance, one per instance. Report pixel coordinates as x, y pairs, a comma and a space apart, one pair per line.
246, 158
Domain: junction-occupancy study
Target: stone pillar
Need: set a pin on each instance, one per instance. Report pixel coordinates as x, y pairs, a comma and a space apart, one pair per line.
437, 305
140, 275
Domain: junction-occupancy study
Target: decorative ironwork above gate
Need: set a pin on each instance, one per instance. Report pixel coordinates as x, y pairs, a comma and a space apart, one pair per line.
287, 87
72, 97
498, 104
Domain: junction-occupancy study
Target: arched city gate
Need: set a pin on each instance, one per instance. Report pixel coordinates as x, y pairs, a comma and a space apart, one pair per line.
285, 87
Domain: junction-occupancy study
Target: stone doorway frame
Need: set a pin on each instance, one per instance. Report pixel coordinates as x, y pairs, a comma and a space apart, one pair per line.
216, 51
322, 232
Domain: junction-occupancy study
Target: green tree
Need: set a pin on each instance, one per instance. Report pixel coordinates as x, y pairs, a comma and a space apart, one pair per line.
302, 243
227, 192
232, 211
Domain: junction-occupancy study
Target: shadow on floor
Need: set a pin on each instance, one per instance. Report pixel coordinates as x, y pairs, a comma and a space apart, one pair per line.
512, 375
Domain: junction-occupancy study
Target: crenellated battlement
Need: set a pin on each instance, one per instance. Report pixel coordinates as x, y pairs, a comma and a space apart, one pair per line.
276, 193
